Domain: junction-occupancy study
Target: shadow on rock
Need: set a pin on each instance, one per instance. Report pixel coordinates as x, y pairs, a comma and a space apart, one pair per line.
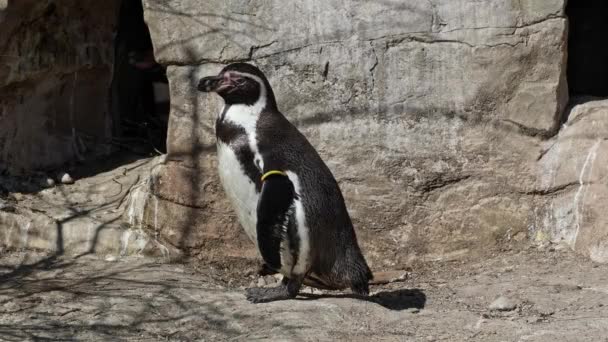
397, 300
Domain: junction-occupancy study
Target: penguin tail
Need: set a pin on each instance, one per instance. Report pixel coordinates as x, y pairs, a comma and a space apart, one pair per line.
360, 276
380, 278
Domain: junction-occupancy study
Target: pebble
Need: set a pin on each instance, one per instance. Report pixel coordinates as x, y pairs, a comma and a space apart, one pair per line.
261, 282
110, 258
3, 204
50, 182
270, 280
502, 303
66, 178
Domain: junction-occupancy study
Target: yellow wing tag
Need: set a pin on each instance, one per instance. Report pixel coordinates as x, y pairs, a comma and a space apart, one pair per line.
273, 172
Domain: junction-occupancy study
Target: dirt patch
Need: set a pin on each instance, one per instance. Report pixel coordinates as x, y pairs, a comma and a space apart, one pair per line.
555, 295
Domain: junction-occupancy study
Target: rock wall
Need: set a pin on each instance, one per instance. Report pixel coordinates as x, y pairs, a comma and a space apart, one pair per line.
55, 71
444, 121
431, 114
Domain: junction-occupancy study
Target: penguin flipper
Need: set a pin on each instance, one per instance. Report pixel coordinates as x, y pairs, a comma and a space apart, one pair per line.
274, 211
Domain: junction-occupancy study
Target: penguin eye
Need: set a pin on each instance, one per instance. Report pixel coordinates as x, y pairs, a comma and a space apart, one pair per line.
240, 81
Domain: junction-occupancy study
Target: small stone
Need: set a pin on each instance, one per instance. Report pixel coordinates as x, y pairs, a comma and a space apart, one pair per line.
535, 319
502, 304
5, 205
261, 282
66, 178
110, 258
270, 280
48, 182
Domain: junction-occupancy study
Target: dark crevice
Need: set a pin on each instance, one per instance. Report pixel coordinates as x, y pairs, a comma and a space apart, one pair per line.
543, 134
139, 93
588, 47
325, 70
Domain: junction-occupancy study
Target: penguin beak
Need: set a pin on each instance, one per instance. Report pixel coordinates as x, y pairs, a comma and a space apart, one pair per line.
215, 83
209, 83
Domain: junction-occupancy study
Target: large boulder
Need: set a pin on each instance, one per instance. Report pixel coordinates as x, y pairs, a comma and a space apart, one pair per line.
56, 60
572, 175
431, 114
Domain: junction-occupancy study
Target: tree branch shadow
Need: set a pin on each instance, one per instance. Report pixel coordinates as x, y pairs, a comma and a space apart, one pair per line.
59, 299
397, 300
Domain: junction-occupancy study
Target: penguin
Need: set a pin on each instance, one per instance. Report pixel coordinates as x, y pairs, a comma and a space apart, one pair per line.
284, 196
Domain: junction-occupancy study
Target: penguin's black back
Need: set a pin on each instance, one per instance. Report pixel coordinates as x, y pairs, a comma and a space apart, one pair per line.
335, 255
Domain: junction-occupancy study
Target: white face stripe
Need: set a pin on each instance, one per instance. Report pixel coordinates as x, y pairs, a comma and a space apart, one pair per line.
247, 116
263, 90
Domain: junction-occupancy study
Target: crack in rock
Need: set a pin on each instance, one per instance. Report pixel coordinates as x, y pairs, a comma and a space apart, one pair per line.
441, 181
553, 190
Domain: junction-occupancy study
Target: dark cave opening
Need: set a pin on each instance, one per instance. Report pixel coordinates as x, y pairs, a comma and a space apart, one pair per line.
588, 47
140, 93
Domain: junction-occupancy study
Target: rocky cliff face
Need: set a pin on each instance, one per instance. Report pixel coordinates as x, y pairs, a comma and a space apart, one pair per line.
573, 179
444, 121
439, 119
55, 70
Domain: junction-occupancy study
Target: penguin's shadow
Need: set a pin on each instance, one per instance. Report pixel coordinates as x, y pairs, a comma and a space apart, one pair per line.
401, 299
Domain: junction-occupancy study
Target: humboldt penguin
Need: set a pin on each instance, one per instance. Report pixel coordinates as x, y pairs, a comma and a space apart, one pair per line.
285, 197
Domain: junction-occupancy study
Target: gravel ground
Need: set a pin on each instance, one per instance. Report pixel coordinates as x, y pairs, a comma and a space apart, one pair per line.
532, 295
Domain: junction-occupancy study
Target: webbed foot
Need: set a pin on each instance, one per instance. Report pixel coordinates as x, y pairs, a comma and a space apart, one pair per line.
288, 289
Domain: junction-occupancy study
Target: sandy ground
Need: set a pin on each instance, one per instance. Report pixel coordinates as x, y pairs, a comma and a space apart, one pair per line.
550, 295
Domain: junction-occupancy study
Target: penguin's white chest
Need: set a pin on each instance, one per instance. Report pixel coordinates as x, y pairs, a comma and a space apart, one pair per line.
239, 189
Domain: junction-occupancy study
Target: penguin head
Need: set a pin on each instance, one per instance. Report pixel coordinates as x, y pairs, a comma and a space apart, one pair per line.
239, 83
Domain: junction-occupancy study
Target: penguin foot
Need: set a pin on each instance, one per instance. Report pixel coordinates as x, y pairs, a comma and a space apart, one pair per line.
288, 289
